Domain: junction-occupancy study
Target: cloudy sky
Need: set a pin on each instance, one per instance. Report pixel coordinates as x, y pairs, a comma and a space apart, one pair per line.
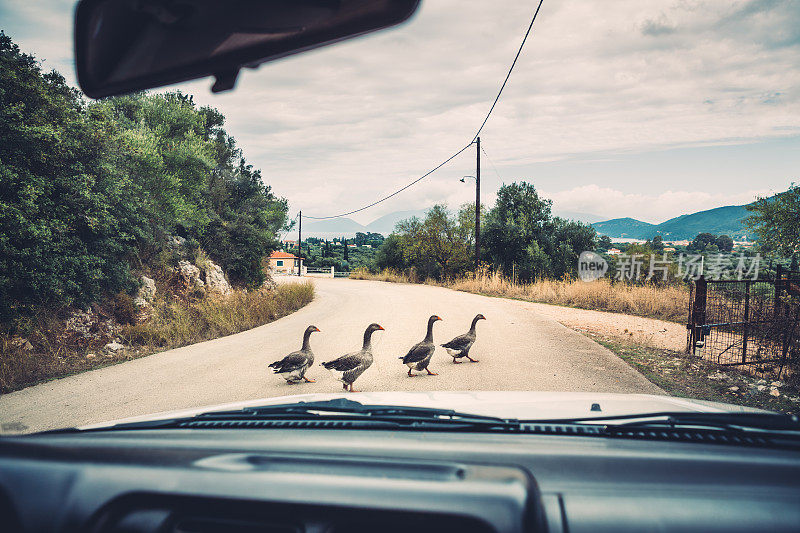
641, 108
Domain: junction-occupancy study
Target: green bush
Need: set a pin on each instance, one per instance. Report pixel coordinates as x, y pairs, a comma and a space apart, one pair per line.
89, 191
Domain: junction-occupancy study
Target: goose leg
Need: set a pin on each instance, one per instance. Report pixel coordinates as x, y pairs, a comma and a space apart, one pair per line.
471, 359
428, 370
409, 373
352, 389
456, 361
309, 380
344, 386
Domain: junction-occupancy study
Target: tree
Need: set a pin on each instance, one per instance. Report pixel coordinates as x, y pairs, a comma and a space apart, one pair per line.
521, 234
89, 191
776, 222
701, 241
438, 246
604, 243
68, 222
657, 244
724, 243
390, 254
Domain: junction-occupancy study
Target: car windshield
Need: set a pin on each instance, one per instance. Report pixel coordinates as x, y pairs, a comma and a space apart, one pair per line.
523, 210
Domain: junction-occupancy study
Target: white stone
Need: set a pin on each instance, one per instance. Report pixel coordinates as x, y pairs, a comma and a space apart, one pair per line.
146, 292
215, 278
114, 346
190, 274
774, 391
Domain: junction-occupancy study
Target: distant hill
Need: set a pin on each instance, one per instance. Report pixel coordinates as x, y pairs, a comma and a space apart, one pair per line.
347, 227
586, 218
386, 223
728, 220
629, 228
334, 227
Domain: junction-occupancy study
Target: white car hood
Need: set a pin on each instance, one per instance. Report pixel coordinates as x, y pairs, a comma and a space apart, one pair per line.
516, 404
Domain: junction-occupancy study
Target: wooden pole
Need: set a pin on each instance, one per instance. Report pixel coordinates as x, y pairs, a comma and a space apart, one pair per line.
478, 206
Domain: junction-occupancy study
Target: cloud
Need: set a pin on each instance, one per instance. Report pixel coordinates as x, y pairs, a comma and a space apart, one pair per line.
336, 128
654, 208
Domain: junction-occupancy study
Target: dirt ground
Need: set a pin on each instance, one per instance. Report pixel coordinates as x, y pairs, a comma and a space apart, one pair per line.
638, 330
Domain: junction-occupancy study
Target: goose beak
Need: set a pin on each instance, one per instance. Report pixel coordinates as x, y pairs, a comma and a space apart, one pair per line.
317, 329
381, 328
437, 318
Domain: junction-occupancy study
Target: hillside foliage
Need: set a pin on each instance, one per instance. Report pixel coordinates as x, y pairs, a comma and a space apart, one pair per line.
90, 193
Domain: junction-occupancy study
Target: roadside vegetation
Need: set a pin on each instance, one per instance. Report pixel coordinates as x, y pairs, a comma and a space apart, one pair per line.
56, 352
688, 376
126, 224
664, 302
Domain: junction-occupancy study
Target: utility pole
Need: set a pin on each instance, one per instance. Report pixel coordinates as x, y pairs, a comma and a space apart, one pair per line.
478, 207
300, 244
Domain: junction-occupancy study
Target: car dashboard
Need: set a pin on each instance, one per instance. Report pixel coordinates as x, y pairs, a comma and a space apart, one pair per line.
309, 480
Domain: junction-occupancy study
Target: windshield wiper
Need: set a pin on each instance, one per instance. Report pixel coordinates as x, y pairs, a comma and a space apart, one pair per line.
770, 422
340, 409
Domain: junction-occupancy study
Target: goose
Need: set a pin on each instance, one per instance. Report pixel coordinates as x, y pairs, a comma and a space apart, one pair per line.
419, 356
293, 367
354, 364
459, 347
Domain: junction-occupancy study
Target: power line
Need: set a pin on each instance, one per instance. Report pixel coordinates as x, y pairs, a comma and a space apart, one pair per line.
492, 163
398, 191
443, 163
513, 63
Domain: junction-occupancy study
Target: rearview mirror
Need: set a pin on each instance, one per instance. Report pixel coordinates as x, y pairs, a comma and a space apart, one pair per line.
129, 45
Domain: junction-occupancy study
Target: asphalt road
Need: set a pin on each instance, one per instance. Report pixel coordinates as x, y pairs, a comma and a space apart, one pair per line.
518, 349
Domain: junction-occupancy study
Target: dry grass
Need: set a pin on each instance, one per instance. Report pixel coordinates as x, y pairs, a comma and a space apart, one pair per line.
178, 324
174, 323
652, 301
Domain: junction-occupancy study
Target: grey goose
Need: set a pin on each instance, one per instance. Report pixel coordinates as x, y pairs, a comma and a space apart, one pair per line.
293, 367
354, 364
459, 346
419, 356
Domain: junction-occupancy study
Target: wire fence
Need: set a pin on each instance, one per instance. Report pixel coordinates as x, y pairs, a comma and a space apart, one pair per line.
747, 323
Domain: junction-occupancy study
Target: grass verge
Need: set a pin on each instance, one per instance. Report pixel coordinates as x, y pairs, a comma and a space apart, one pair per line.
173, 323
651, 301
689, 376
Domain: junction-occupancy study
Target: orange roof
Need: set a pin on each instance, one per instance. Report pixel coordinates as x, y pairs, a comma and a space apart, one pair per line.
281, 255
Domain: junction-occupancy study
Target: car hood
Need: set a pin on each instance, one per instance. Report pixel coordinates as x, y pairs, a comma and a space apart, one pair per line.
516, 404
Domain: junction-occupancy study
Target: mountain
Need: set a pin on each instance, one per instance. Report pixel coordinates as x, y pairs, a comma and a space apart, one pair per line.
728, 220
586, 218
629, 228
334, 227
386, 223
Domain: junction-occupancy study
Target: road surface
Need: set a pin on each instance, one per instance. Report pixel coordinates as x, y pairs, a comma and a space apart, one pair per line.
518, 349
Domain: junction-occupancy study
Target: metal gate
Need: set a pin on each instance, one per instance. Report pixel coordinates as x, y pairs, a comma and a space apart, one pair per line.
752, 323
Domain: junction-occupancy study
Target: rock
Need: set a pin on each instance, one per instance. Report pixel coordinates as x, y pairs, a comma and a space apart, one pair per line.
91, 355
761, 388
717, 376
215, 278
177, 241
774, 391
761, 382
86, 328
733, 389
146, 292
777, 384
114, 346
190, 274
